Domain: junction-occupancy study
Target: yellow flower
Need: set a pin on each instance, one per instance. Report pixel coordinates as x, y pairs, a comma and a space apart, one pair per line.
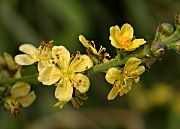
66, 74
42, 54
122, 79
20, 97
90, 46
122, 38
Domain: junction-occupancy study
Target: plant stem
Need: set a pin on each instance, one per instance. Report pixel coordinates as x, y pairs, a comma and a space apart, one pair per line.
32, 79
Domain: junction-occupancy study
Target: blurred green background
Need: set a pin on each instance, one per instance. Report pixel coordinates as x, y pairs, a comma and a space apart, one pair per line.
153, 104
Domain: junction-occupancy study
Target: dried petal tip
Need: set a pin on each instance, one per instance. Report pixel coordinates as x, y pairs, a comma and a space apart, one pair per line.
177, 20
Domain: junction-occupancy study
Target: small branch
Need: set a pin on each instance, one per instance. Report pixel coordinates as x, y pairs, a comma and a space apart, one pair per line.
117, 61
32, 79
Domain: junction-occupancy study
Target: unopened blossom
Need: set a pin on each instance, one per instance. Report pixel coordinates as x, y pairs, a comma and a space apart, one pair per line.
42, 54
20, 96
66, 73
123, 38
122, 79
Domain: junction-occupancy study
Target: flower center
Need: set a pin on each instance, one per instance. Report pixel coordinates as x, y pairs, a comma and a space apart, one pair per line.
124, 41
67, 72
44, 50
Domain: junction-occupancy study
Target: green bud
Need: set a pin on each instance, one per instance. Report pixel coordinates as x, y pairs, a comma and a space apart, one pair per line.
175, 46
157, 50
166, 29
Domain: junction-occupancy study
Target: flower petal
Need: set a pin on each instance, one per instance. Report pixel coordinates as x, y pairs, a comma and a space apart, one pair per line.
85, 42
59, 104
27, 100
113, 74
43, 64
135, 44
24, 59
137, 72
81, 63
132, 64
115, 34
28, 49
113, 93
50, 75
81, 82
64, 90
127, 31
61, 56
128, 85
20, 89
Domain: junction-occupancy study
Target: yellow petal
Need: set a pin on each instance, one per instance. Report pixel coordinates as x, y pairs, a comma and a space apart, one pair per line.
28, 49
127, 31
135, 44
113, 74
43, 64
59, 104
24, 59
113, 93
20, 89
132, 64
27, 100
115, 34
61, 56
85, 42
64, 90
81, 63
128, 85
137, 72
50, 75
81, 82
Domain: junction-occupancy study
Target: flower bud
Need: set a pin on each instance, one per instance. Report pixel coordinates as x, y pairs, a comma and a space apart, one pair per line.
157, 50
175, 46
165, 29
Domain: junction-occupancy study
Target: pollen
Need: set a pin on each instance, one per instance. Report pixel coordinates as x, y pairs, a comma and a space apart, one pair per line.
124, 41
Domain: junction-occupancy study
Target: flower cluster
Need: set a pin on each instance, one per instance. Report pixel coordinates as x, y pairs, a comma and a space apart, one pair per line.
122, 79
19, 96
58, 68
